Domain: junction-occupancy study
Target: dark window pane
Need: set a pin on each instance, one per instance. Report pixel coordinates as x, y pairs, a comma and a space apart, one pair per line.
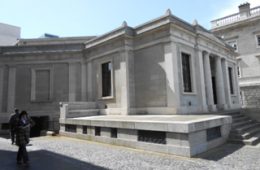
258, 40
213, 133
230, 80
106, 79
186, 72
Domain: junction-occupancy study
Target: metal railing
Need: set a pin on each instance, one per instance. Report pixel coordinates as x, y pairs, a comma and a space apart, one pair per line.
235, 18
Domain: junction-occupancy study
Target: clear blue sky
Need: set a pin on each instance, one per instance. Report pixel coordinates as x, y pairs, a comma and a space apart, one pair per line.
94, 17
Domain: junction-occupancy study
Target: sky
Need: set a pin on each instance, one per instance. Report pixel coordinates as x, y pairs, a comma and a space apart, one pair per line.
67, 18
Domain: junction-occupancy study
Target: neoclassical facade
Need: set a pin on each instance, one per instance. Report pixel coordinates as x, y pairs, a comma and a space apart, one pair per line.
164, 66
242, 31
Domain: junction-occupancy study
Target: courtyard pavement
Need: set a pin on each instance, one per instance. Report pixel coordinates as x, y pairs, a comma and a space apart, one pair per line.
61, 153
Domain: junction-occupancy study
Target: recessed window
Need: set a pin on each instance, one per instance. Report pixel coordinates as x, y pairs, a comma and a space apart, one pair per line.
258, 40
230, 75
213, 133
186, 72
113, 132
71, 128
233, 44
106, 70
97, 131
152, 136
85, 130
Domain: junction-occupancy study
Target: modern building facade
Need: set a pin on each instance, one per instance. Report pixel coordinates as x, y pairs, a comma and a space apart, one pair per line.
9, 34
242, 31
164, 66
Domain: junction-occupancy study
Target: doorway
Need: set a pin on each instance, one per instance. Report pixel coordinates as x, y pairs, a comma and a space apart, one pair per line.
214, 89
41, 125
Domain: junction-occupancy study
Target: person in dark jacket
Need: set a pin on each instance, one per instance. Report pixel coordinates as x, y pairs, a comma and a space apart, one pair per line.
22, 138
13, 121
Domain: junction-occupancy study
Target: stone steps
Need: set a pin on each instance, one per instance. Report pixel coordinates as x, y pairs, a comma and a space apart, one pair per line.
244, 130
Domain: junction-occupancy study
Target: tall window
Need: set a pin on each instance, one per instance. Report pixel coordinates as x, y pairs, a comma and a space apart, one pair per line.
186, 74
258, 40
106, 79
230, 75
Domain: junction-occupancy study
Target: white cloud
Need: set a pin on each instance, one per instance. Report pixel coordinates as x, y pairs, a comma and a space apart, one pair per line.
232, 7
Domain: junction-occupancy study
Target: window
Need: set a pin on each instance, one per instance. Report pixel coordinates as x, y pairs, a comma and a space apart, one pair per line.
213, 133
97, 131
85, 130
113, 133
233, 44
238, 71
186, 72
230, 75
106, 70
258, 40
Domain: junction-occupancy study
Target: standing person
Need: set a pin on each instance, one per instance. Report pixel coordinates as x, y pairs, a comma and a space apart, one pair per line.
13, 121
22, 138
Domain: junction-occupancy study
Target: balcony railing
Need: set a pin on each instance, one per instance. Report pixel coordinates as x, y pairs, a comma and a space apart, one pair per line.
235, 18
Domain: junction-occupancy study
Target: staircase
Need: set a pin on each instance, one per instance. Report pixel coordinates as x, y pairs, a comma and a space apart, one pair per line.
244, 130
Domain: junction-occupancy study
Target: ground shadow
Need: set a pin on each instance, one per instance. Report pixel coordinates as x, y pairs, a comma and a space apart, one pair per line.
220, 152
44, 160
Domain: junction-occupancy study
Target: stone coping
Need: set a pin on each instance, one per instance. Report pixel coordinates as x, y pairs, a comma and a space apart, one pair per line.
167, 123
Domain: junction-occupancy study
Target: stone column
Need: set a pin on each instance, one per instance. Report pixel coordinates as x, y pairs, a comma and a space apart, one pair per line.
11, 89
220, 85
202, 81
72, 81
1, 87
208, 82
83, 81
226, 82
172, 78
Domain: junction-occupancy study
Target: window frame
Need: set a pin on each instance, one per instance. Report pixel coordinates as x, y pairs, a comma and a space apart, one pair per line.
33, 84
231, 80
192, 92
99, 76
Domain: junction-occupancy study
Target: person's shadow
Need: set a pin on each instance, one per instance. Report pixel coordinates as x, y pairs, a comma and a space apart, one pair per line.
44, 160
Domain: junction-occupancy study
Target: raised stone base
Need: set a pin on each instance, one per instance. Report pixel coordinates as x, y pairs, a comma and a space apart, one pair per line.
184, 135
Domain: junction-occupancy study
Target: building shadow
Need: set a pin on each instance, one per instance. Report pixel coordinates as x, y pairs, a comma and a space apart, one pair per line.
44, 160
220, 152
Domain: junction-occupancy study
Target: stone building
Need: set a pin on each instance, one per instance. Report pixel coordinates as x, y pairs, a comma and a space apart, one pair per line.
242, 31
9, 34
164, 66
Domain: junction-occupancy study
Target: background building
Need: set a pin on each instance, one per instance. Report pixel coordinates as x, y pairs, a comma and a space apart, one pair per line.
242, 31
9, 34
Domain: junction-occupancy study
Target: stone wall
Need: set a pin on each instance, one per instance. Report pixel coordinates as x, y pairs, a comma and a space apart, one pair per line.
251, 95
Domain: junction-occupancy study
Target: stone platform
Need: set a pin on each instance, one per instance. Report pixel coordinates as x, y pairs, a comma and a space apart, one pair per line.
184, 135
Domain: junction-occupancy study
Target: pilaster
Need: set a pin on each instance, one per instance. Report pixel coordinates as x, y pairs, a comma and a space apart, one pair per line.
83, 81
127, 79
90, 90
172, 78
11, 89
72, 81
